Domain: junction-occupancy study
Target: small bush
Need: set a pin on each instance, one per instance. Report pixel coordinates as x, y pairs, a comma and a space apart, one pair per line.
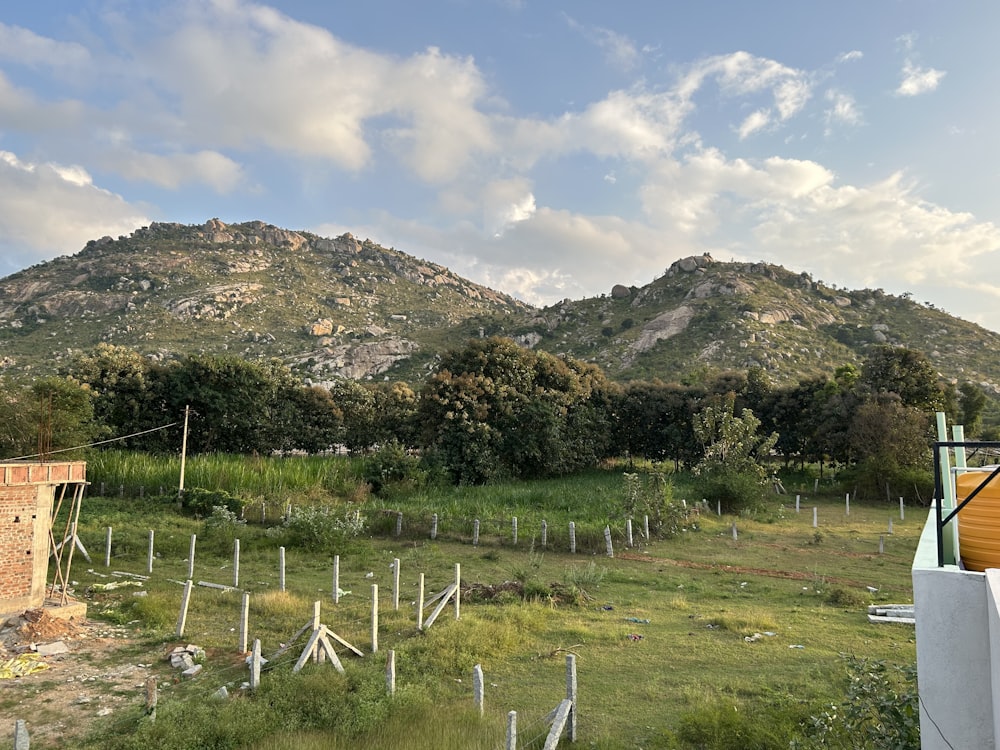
848, 599
392, 465
200, 502
320, 528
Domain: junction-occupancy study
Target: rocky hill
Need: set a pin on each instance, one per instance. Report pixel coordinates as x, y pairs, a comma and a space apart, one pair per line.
343, 307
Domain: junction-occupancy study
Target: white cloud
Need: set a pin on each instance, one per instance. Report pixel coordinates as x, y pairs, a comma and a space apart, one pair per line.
619, 51
854, 54
755, 121
506, 203
25, 47
172, 171
916, 80
842, 109
51, 209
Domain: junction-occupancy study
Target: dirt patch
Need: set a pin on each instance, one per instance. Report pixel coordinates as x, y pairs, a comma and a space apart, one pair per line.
64, 693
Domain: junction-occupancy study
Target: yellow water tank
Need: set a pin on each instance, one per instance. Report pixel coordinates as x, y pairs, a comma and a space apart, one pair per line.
979, 521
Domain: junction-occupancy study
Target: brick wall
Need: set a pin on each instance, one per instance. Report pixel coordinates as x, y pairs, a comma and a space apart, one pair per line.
17, 540
27, 492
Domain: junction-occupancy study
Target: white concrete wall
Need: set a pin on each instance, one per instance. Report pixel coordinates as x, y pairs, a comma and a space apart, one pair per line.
955, 669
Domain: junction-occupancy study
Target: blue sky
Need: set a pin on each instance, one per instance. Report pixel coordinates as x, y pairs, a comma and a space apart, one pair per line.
546, 149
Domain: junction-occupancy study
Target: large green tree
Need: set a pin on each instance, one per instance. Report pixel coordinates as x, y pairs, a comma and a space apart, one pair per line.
494, 409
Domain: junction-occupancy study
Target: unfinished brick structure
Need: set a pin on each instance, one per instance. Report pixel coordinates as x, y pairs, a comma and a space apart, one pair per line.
28, 494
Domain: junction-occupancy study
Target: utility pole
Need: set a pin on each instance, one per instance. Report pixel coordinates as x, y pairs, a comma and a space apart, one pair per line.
184, 445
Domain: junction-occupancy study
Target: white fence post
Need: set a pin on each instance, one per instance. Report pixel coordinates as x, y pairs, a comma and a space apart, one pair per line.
511, 731
815, 516
149, 555
336, 579
458, 590
395, 584
513, 529
545, 533
434, 526
281, 568
390, 672
572, 538
420, 603
477, 688
236, 565
374, 617
21, 738
194, 539
571, 694
182, 617
628, 532
244, 623
399, 523
475, 533
255, 665
607, 541
107, 548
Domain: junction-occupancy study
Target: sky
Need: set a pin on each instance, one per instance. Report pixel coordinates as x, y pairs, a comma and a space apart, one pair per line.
546, 149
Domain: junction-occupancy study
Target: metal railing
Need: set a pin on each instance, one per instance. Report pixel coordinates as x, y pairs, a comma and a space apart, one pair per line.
939, 490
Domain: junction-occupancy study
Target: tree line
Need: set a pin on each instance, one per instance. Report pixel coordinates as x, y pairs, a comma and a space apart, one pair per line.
494, 410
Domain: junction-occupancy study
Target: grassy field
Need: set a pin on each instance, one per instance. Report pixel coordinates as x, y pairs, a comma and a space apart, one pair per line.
703, 640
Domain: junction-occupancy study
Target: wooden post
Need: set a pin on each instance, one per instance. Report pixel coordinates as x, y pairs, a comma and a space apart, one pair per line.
420, 603
545, 534
107, 547
21, 738
336, 579
815, 516
458, 590
151, 699
477, 688
607, 541
182, 617
628, 532
434, 526
244, 623
255, 665
236, 565
475, 533
395, 584
281, 568
374, 617
572, 538
571, 695
194, 539
513, 530
399, 523
149, 556
390, 672
511, 743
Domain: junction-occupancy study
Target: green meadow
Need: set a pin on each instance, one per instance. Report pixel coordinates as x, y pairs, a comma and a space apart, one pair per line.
736, 632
